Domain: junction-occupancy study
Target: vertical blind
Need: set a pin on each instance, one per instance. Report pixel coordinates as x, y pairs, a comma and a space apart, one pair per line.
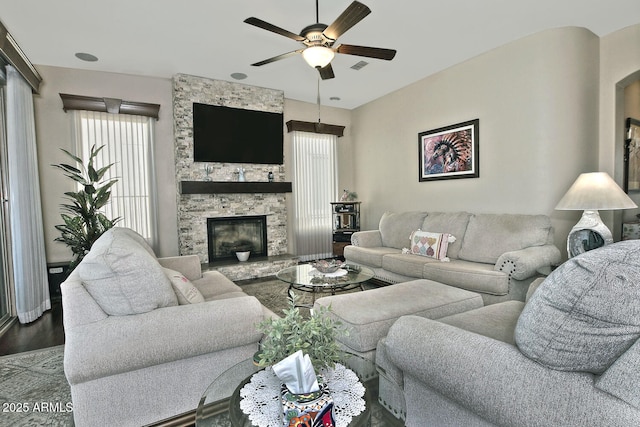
128, 142
315, 184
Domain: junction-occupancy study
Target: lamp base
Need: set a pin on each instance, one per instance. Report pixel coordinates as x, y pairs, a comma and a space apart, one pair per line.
589, 233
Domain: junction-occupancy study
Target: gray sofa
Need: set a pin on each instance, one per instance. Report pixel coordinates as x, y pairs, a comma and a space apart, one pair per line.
136, 349
569, 357
497, 256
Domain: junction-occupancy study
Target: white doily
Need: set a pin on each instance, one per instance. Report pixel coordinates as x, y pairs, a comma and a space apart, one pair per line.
260, 397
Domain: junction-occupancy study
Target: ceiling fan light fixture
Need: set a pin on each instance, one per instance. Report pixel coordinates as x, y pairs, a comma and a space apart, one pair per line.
318, 56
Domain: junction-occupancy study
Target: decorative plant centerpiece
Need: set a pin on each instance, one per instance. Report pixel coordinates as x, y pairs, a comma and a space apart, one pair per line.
315, 336
83, 222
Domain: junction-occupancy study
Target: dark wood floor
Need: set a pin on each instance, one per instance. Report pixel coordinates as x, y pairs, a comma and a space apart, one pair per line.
45, 332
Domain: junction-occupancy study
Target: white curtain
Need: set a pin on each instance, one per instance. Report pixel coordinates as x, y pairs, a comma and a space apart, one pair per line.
315, 185
25, 212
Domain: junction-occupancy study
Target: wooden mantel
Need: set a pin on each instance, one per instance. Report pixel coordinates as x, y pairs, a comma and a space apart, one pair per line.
230, 187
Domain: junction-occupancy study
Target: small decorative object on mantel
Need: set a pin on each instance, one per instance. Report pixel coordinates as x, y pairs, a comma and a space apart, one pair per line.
207, 170
270, 176
240, 174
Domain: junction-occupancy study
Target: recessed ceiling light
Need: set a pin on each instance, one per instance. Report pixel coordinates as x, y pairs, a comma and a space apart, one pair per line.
86, 57
334, 98
239, 76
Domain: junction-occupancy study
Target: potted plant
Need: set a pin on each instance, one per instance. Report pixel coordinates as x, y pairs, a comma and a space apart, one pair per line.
315, 336
83, 221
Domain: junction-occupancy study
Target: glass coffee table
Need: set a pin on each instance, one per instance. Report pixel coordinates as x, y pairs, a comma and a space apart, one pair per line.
220, 403
306, 278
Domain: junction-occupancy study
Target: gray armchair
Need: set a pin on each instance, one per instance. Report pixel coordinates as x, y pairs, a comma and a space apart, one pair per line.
138, 368
569, 357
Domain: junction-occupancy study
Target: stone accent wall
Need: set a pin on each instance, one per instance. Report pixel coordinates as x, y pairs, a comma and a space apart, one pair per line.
194, 209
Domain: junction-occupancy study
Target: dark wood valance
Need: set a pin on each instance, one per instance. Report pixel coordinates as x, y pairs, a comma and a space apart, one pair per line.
12, 53
108, 105
315, 127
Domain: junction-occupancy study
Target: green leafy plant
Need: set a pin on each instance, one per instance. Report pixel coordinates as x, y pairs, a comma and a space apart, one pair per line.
83, 222
315, 336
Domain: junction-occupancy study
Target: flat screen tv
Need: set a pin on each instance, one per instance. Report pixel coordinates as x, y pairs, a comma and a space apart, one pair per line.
234, 135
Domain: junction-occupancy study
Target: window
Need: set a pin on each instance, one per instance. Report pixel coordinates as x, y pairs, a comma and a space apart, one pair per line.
128, 141
315, 174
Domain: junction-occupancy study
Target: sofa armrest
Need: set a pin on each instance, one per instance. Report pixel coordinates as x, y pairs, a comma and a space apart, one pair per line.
497, 382
367, 239
527, 262
189, 265
126, 343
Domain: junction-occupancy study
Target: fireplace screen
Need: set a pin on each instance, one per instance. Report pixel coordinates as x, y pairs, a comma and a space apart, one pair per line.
228, 235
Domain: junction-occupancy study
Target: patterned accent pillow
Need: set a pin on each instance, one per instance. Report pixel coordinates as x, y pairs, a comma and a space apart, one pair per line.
433, 245
186, 292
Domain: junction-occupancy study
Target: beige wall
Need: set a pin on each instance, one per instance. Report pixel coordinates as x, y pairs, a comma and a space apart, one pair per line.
53, 131
537, 101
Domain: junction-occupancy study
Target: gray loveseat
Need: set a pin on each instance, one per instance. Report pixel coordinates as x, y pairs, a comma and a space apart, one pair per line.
569, 357
136, 349
497, 256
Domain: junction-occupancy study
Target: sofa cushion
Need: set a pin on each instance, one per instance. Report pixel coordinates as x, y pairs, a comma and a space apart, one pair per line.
490, 235
429, 244
396, 227
497, 321
368, 315
585, 314
473, 276
406, 264
123, 277
371, 257
454, 223
623, 377
186, 291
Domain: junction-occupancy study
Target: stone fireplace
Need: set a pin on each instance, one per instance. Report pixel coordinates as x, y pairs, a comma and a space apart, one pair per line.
195, 208
228, 235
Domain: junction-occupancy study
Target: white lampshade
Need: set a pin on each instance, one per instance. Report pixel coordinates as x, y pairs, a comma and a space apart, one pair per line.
318, 56
595, 191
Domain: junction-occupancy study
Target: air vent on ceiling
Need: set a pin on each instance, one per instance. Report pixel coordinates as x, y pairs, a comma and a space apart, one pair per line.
359, 65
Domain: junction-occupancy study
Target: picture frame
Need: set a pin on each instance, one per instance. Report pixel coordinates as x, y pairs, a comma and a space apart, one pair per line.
449, 152
632, 156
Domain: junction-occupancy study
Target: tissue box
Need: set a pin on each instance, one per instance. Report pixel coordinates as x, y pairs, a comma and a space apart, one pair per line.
307, 409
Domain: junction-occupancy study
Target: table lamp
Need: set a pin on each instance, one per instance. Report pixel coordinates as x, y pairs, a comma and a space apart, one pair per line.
592, 192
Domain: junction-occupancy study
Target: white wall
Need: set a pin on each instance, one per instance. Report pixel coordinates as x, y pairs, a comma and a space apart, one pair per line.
537, 101
53, 131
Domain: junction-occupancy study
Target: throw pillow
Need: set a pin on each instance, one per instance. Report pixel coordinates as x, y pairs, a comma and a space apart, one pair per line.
123, 277
186, 291
585, 314
433, 245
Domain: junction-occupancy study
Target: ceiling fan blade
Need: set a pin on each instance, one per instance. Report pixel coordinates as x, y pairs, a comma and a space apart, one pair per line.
270, 27
277, 58
326, 72
350, 17
369, 52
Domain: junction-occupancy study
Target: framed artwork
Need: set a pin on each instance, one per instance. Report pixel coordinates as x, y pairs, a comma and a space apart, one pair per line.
449, 152
632, 156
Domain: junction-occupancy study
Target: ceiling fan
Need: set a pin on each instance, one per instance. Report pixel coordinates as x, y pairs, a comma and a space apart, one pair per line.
319, 39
